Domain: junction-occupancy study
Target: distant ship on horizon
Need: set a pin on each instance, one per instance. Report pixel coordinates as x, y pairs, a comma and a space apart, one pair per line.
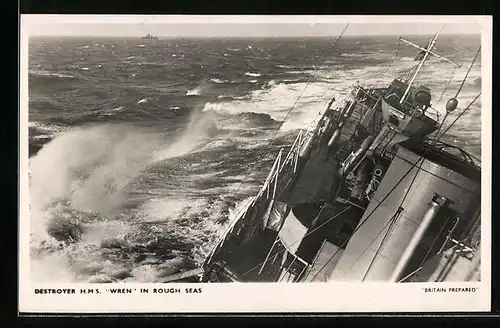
150, 37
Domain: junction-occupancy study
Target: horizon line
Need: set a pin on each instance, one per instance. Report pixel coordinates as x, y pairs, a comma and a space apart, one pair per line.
159, 36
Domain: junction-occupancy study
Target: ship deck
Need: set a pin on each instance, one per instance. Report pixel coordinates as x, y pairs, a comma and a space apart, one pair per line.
247, 258
316, 181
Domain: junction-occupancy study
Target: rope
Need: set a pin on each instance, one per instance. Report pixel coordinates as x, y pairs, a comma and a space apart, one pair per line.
285, 118
396, 53
468, 71
428, 252
414, 165
437, 137
448, 82
289, 112
382, 244
307, 234
421, 265
460, 115
387, 195
391, 221
368, 217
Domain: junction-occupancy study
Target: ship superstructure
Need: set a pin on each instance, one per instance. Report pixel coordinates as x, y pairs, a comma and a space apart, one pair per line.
371, 194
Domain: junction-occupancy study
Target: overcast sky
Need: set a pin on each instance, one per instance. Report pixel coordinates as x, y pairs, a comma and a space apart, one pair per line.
246, 26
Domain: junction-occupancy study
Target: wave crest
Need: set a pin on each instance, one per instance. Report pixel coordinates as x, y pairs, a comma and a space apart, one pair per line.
47, 74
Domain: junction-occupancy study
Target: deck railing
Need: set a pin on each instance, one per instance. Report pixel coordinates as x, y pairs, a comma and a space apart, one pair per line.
291, 159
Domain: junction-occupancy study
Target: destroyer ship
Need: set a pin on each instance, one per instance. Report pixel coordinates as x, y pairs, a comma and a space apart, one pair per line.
372, 193
149, 37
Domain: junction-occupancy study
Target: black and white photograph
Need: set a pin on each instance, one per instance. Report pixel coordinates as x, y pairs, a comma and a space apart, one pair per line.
272, 150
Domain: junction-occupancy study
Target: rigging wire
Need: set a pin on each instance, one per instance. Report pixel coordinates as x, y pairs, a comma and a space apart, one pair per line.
395, 216
413, 180
288, 113
437, 137
318, 227
456, 95
368, 215
460, 115
266, 147
448, 82
393, 221
468, 71
359, 226
307, 234
385, 197
313, 122
421, 265
463, 81
391, 59
463, 112
388, 63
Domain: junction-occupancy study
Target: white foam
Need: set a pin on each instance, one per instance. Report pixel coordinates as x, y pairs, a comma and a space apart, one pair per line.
46, 73
90, 167
193, 92
276, 100
218, 81
47, 127
170, 208
252, 74
88, 170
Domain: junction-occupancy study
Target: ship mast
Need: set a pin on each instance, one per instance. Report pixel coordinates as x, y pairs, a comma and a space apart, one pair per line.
427, 51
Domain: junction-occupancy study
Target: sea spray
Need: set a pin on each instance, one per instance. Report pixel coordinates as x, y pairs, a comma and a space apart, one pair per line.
79, 181
201, 128
199, 89
90, 167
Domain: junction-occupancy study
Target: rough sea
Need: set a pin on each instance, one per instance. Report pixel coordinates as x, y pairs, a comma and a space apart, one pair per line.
142, 151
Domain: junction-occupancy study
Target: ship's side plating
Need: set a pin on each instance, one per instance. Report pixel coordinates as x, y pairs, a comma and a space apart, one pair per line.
367, 195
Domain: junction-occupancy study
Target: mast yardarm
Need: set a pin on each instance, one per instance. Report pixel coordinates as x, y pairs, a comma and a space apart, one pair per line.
426, 51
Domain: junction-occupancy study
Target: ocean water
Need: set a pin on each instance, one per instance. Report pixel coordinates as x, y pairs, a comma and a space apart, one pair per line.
141, 151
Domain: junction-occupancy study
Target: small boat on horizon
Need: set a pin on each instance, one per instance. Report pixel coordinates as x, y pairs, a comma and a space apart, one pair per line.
149, 37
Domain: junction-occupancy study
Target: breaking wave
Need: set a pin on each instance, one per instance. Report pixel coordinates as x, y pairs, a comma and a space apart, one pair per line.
138, 202
81, 219
47, 74
193, 92
253, 74
218, 81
